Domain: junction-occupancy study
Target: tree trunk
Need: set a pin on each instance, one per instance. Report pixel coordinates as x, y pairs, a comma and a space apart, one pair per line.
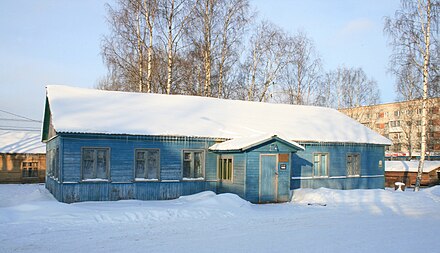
251, 90
150, 61
170, 48
140, 53
426, 31
150, 12
207, 54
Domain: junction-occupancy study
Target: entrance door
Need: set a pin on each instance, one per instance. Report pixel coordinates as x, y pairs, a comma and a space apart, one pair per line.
268, 178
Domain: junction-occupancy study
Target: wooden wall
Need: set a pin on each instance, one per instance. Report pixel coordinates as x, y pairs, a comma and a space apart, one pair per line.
68, 186
11, 168
371, 175
253, 172
409, 178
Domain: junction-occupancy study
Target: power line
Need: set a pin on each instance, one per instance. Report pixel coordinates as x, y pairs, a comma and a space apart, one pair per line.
23, 117
21, 120
20, 129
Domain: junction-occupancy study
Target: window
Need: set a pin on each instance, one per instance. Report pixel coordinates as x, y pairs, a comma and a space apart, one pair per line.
95, 163
193, 164
56, 163
52, 162
29, 169
225, 168
353, 165
147, 163
395, 123
396, 113
320, 164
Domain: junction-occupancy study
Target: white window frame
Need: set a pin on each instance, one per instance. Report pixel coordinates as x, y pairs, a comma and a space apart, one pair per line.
224, 175
327, 164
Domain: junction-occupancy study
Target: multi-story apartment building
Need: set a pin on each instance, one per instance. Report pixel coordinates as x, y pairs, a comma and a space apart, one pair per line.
401, 123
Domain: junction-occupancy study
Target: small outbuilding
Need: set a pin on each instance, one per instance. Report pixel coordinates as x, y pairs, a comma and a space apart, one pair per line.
108, 145
406, 172
22, 157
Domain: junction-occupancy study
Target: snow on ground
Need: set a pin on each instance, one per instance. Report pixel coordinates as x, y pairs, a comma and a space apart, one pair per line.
321, 220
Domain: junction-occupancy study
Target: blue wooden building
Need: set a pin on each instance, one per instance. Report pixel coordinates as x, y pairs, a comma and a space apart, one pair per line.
106, 145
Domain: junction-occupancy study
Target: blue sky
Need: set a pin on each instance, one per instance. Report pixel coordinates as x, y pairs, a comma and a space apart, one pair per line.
58, 42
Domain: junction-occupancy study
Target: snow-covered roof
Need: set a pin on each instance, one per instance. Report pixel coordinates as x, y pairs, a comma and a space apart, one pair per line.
21, 142
83, 110
411, 166
245, 143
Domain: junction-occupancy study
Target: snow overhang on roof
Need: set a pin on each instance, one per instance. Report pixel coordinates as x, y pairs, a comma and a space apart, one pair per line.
79, 110
21, 142
410, 166
245, 143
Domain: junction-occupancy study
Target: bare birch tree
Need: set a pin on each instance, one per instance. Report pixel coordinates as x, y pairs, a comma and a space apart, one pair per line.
349, 87
301, 76
235, 17
412, 31
265, 60
174, 15
131, 24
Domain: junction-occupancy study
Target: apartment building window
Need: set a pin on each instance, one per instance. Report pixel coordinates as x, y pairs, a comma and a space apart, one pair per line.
396, 113
395, 123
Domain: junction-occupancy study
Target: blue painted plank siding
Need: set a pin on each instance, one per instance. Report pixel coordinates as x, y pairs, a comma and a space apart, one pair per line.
122, 157
253, 176
253, 171
121, 183
238, 178
371, 175
68, 187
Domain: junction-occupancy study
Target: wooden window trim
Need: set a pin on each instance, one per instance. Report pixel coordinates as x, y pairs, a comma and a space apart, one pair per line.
219, 168
34, 166
359, 164
107, 164
192, 151
135, 161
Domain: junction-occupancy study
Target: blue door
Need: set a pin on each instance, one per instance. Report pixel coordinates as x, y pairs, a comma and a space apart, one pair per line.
268, 178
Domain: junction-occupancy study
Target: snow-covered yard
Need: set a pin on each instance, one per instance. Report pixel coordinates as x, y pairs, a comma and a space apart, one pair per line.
322, 220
